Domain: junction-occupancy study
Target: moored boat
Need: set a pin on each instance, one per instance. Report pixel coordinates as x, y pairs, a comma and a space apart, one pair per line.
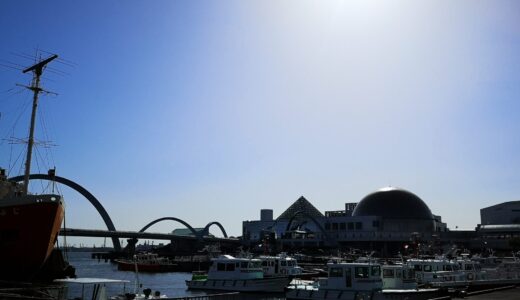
463, 273
99, 289
440, 269
229, 273
474, 277
362, 280
146, 262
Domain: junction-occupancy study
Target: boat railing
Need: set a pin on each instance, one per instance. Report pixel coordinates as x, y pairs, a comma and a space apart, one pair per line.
220, 296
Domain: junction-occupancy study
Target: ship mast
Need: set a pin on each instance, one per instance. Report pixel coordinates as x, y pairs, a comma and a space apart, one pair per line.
37, 70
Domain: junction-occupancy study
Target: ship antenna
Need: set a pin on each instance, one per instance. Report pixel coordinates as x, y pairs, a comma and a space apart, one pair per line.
37, 70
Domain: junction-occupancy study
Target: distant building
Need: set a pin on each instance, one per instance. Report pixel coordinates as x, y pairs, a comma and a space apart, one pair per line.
301, 209
503, 213
499, 225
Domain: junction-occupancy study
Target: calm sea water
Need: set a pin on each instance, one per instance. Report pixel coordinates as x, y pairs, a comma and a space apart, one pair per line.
171, 284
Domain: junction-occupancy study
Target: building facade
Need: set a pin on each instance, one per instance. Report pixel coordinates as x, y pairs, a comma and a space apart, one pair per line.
499, 227
501, 214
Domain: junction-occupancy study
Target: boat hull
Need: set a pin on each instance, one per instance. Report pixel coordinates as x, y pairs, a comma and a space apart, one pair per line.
314, 293
476, 285
28, 232
269, 285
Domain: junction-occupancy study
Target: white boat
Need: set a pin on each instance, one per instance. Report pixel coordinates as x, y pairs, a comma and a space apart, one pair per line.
464, 273
428, 271
99, 289
229, 273
506, 268
362, 280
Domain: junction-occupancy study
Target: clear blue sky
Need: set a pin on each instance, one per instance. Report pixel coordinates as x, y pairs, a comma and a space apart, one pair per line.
213, 110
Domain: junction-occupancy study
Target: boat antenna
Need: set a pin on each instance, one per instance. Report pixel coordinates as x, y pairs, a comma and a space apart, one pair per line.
37, 70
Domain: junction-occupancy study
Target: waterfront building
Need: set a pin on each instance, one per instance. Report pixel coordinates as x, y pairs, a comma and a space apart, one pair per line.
499, 226
501, 214
386, 219
389, 220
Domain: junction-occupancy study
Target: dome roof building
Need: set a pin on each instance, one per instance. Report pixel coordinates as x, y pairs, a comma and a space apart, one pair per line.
393, 203
399, 210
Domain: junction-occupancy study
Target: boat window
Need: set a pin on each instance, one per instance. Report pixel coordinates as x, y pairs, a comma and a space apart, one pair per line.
221, 266
388, 273
264, 263
417, 268
336, 272
427, 268
468, 267
284, 263
376, 271
411, 274
243, 265
348, 277
255, 264
448, 268
398, 273
230, 267
361, 272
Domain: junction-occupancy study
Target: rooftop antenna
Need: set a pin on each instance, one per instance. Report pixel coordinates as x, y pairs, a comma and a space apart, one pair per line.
37, 70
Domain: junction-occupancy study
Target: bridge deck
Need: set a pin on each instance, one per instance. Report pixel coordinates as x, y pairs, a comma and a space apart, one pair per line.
139, 235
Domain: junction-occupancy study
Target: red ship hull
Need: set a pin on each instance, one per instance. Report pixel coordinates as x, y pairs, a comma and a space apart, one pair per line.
28, 232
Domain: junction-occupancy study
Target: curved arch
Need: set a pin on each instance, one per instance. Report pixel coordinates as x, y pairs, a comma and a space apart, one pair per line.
301, 212
195, 233
206, 229
101, 210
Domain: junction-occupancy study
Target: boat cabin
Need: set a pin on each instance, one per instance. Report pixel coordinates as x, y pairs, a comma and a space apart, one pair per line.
229, 267
472, 269
398, 276
281, 265
434, 270
352, 276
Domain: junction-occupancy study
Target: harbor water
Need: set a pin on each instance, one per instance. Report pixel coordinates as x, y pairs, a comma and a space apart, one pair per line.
171, 284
